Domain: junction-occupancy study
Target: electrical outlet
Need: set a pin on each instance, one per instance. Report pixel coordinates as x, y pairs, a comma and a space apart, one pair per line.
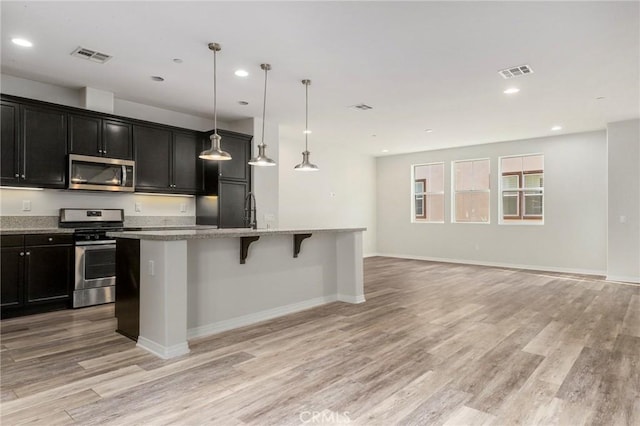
26, 205
138, 207
152, 268
183, 208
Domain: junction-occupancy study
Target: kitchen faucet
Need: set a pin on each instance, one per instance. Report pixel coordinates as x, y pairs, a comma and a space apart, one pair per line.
249, 212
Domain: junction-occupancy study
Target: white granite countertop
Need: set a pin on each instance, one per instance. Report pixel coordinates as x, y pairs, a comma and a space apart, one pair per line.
174, 235
18, 231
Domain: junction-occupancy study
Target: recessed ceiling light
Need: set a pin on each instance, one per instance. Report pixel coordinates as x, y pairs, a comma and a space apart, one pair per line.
177, 60
428, 130
599, 98
556, 128
22, 42
385, 150
511, 90
156, 78
306, 131
241, 73
243, 102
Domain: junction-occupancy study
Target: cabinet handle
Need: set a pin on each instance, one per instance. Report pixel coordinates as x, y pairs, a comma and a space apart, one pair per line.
28, 253
22, 176
50, 239
21, 253
17, 174
104, 151
99, 151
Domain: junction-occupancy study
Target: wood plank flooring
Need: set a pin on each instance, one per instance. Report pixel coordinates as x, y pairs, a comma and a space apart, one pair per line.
435, 343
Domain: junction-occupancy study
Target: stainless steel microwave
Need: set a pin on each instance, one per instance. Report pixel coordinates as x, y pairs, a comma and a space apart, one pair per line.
101, 174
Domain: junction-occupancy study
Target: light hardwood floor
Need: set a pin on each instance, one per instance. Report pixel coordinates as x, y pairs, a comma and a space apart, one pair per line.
434, 344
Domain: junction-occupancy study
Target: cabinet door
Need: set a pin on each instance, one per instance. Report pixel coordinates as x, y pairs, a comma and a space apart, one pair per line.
11, 276
44, 146
84, 135
185, 162
153, 158
116, 140
9, 144
240, 150
231, 207
48, 273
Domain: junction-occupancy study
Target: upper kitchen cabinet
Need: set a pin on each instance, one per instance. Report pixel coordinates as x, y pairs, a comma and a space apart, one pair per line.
166, 160
239, 146
34, 153
236, 169
185, 162
9, 144
95, 136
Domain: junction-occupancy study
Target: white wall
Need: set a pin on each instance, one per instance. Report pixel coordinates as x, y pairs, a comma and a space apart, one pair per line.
572, 238
341, 194
623, 249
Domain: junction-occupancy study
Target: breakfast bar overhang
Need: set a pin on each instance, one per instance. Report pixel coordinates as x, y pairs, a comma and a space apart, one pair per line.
200, 282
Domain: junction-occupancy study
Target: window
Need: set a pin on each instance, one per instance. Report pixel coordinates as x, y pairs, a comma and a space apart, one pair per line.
522, 189
471, 191
428, 192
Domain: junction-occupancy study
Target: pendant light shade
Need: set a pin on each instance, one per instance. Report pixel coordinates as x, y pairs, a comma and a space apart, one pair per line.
215, 153
261, 159
306, 165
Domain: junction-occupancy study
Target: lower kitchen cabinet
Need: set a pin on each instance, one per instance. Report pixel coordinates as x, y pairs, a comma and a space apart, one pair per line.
231, 204
36, 275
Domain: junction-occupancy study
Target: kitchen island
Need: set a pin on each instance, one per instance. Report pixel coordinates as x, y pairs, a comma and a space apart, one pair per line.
181, 284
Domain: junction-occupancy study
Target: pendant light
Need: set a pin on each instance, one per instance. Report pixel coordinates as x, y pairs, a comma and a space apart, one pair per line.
306, 165
215, 153
261, 159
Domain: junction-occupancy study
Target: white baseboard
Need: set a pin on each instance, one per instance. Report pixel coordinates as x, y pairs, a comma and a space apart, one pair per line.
230, 324
500, 264
164, 352
370, 255
632, 280
351, 299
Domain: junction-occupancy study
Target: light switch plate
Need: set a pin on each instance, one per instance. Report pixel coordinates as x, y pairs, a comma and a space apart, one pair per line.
26, 205
183, 208
138, 207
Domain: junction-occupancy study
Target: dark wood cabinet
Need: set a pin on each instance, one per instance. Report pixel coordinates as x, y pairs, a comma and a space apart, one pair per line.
34, 146
153, 158
44, 147
9, 144
47, 273
229, 180
37, 273
185, 162
92, 135
166, 160
231, 204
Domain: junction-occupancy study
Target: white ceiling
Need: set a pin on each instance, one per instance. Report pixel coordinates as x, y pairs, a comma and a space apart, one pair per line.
418, 64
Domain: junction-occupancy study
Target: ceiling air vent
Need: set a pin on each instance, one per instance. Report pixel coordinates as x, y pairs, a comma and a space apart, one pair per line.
515, 71
91, 55
363, 107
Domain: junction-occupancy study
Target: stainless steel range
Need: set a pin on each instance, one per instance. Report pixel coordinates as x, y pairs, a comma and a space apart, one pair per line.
95, 258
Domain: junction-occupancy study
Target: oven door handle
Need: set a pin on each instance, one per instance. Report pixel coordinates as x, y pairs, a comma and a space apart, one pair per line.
87, 244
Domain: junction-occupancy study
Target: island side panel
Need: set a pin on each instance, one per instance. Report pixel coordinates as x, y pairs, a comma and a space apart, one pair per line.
163, 297
349, 270
224, 294
127, 306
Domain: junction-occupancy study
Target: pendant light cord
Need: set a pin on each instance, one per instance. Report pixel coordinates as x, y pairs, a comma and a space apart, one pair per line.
215, 97
306, 118
264, 102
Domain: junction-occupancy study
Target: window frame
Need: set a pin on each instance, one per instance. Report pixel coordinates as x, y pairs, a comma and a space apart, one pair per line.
522, 218
454, 192
426, 193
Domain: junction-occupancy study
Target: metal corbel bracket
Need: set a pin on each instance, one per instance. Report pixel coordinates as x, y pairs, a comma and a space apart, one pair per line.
297, 242
245, 242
